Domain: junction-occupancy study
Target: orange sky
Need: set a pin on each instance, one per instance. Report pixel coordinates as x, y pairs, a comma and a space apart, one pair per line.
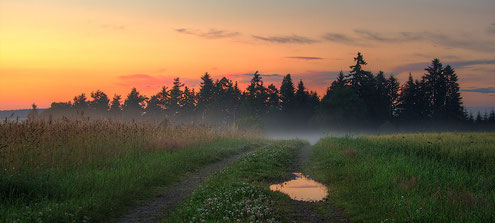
52, 50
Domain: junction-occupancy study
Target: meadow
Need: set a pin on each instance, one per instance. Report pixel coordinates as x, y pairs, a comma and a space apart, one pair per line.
87, 171
444, 177
240, 192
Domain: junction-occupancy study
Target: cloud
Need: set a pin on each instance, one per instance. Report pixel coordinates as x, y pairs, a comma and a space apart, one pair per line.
456, 64
210, 34
340, 38
286, 39
488, 90
306, 58
367, 37
394, 37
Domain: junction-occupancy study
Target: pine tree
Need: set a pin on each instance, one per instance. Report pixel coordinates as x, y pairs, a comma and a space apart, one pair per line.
134, 104
479, 119
408, 102
393, 87
435, 86
100, 102
80, 102
358, 78
115, 106
382, 103
205, 95
453, 101
287, 94
340, 82
175, 97
273, 99
257, 95
188, 103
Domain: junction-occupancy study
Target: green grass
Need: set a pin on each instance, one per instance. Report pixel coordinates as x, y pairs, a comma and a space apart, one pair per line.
100, 190
239, 193
446, 177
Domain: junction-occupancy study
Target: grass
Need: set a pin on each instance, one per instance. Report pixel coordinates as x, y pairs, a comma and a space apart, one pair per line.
76, 171
447, 177
240, 193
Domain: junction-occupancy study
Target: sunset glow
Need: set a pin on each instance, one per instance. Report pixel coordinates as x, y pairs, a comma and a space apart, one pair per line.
53, 50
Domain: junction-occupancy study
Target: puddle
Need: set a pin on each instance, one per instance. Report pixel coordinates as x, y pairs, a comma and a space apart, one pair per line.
302, 189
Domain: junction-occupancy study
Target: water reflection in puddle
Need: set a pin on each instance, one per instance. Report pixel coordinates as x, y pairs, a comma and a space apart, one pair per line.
302, 189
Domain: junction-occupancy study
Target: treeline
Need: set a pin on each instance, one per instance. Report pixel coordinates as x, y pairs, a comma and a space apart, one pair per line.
357, 100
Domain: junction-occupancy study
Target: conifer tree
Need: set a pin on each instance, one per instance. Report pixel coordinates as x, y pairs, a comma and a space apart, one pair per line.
134, 104
80, 102
115, 106
453, 101
287, 94
435, 87
100, 102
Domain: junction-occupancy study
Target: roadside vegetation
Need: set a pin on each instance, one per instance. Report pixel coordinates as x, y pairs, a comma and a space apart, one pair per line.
78, 171
446, 177
240, 192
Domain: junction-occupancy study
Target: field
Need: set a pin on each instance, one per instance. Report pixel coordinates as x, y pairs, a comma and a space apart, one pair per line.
78, 171
96, 171
447, 177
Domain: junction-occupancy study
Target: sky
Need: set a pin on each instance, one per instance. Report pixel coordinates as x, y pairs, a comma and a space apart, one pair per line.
52, 50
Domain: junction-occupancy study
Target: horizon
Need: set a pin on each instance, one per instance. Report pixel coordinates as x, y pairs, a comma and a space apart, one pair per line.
52, 51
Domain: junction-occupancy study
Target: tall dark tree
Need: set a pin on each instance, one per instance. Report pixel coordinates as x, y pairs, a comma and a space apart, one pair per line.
435, 87
287, 94
176, 93
256, 95
188, 103
134, 104
393, 87
273, 100
360, 79
382, 102
205, 94
340, 82
306, 104
225, 101
154, 107
80, 102
453, 100
100, 101
407, 104
115, 105
412, 104
342, 108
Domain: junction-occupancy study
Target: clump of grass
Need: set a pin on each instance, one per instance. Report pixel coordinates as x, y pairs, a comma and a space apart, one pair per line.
445, 177
240, 192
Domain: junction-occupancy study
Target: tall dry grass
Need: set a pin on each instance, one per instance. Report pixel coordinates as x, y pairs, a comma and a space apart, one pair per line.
37, 145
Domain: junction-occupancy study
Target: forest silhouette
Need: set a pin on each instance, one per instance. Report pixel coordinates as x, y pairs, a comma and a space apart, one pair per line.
358, 100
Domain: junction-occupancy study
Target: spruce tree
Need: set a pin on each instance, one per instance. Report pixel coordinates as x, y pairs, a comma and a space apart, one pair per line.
100, 102
453, 101
435, 87
256, 95
134, 104
80, 102
115, 106
287, 94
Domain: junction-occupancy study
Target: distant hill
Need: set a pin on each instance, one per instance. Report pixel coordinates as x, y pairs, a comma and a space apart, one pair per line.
20, 114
